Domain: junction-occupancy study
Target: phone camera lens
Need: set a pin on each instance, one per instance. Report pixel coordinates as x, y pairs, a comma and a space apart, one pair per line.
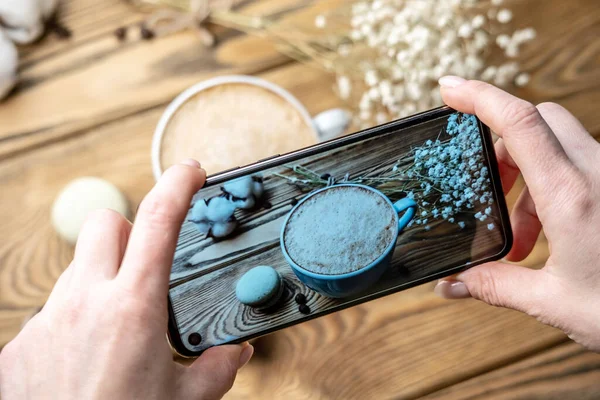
195, 339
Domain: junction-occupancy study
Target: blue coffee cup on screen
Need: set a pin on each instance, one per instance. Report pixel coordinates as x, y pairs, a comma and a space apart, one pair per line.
339, 240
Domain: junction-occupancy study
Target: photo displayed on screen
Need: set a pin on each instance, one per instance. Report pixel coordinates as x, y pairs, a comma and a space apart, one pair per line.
273, 248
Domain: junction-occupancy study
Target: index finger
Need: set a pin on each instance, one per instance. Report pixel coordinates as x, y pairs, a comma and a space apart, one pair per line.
148, 258
527, 137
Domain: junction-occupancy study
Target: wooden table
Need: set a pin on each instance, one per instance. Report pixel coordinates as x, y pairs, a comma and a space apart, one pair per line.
88, 106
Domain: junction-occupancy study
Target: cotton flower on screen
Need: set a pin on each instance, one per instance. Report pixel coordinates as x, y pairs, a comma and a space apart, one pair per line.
244, 192
214, 217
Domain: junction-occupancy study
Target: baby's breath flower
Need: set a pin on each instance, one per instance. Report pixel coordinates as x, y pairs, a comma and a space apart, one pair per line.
504, 16
413, 43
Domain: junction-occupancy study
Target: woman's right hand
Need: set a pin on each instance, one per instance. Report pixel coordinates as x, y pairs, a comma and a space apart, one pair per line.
560, 162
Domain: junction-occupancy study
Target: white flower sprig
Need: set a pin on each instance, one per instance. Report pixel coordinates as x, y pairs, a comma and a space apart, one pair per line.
413, 43
447, 177
456, 171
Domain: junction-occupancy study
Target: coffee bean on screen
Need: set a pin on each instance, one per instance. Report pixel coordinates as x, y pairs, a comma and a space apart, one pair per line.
195, 339
293, 202
304, 309
300, 298
325, 176
267, 205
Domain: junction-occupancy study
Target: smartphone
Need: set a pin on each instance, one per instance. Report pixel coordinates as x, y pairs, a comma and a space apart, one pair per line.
303, 234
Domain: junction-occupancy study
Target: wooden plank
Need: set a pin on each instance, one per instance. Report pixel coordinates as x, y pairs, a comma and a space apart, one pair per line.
399, 347
567, 371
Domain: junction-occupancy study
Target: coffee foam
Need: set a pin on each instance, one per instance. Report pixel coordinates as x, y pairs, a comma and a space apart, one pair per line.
339, 230
232, 125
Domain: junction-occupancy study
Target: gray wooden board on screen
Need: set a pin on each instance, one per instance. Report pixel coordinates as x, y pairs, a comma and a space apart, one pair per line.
205, 271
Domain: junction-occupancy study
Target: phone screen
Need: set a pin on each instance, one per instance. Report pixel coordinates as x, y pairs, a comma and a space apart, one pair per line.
385, 211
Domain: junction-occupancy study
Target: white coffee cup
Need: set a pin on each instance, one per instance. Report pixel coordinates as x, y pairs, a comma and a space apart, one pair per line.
326, 125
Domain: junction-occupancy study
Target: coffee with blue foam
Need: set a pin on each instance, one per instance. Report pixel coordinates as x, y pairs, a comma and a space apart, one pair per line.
340, 230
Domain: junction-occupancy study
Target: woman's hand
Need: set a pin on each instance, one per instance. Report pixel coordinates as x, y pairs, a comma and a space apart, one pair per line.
101, 334
560, 162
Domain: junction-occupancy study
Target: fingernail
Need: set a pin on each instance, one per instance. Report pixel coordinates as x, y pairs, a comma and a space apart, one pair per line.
246, 355
451, 81
452, 290
191, 162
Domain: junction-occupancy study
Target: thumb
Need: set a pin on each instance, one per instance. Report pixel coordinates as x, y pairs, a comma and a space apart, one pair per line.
213, 373
501, 285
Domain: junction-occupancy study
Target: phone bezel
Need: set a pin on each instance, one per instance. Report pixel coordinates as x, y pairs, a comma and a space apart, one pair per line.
173, 336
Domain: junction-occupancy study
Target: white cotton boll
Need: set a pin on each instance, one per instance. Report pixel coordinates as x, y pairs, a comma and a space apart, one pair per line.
504, 16
258, 189
199, 211
223, 229
245, 204
9, 61
220, 209
241, 187
332, 123
202, 226
24, 19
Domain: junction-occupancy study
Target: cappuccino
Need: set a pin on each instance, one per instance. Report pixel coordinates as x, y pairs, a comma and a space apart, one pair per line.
340, 230
233, 124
